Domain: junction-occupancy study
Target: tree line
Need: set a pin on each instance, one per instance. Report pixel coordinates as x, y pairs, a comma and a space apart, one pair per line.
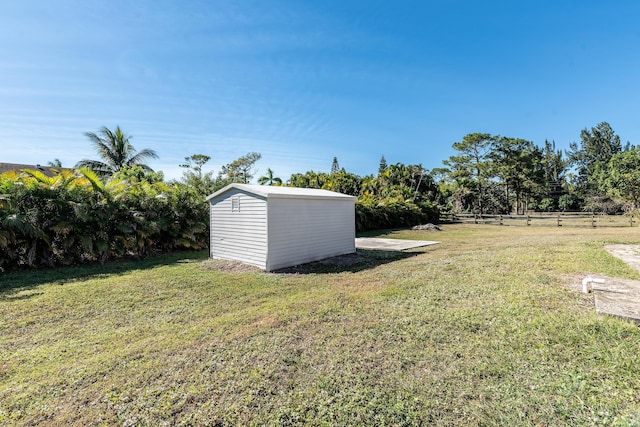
118, 206
497, 174
491, 174
487, 174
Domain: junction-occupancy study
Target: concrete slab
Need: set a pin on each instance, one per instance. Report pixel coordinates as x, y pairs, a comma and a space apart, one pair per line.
390, 244
627, 253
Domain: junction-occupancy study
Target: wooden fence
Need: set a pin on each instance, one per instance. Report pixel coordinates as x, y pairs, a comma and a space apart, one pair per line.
555, 219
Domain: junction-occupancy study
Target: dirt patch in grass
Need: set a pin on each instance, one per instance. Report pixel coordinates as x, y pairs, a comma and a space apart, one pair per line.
228, 266
322, 265
362, 259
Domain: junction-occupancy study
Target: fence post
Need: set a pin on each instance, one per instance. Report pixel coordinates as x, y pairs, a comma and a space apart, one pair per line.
593, 221
528, 220
631, 221
500, 219
475, 218
559, 221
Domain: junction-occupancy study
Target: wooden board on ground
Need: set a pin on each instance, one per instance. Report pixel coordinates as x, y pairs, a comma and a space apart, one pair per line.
618, 297
390, 244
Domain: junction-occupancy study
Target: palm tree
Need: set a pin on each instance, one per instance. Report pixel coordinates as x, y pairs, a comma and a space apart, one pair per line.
269, 179
116, 152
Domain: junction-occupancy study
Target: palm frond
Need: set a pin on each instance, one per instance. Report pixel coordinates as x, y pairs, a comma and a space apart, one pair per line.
66, 178
6, 202
38, 176
141, 156
21, 224
95, 181
95, 165
117, 188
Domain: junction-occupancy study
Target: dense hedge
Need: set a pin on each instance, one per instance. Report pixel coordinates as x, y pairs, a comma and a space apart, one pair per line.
391, 213
74, 218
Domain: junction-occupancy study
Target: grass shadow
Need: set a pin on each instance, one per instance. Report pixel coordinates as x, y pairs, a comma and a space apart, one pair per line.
363, 259
15, 281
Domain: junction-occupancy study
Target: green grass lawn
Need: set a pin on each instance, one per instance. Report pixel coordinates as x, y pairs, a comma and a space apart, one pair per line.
483, 329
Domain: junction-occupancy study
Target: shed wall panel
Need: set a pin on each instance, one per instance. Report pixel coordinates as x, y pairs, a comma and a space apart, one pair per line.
239, 228
306, 230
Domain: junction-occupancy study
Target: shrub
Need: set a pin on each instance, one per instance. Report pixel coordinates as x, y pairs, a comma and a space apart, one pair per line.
372, 214
74, 218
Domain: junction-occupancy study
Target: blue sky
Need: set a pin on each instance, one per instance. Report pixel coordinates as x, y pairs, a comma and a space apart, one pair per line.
304, 81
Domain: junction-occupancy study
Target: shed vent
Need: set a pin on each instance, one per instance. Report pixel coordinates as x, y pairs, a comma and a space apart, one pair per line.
235, 204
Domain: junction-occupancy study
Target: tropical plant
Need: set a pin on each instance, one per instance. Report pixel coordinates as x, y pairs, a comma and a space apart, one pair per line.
308, 179
400, 196
269, 179
115, 151
73, 218
343, 182
372, 213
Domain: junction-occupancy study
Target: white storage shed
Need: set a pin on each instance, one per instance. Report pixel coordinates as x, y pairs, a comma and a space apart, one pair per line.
277, 227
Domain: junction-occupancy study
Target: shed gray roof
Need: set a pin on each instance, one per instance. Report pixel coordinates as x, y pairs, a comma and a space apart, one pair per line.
269, 191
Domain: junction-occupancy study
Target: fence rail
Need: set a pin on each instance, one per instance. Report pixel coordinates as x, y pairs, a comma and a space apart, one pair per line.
557, 219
